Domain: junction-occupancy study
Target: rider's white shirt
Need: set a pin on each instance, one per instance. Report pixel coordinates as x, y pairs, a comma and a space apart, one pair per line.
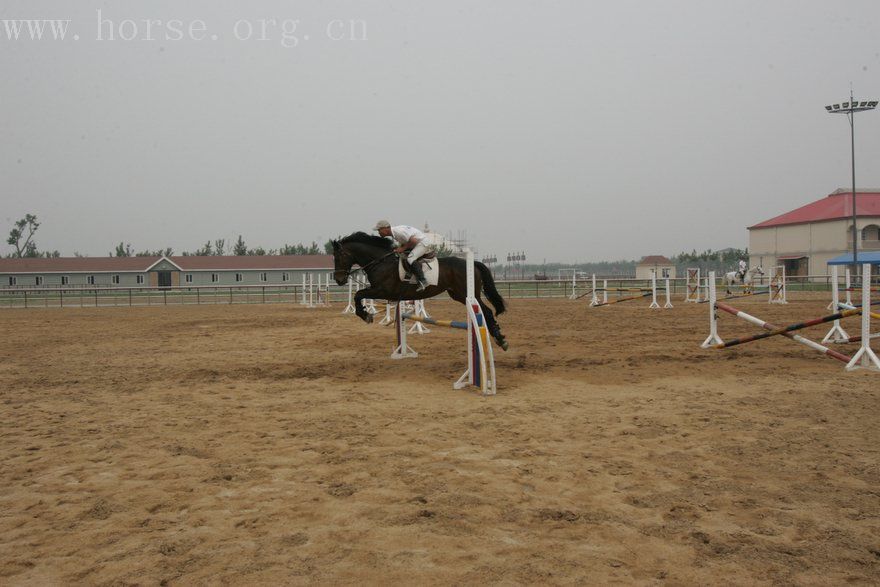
403, 233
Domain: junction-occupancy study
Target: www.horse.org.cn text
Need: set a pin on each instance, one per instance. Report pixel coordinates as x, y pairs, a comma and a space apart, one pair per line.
286, 32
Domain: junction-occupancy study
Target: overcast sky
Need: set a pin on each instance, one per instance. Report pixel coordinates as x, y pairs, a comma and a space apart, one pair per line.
571, 130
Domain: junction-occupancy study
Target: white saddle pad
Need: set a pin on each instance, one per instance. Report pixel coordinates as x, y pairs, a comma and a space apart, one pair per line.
431, 269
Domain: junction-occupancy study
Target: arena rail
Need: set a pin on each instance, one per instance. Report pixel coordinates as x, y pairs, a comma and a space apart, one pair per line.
107, 295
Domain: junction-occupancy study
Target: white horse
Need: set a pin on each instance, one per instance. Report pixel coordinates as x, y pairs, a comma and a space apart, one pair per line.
736, 278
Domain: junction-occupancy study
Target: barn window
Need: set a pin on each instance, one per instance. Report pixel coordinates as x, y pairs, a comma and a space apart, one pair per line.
115, 280
65, 280
215, 278
263, 277
238, 277
140, 279
12, 280
39, 280
871, 233
188, 278
285, 277
91, 280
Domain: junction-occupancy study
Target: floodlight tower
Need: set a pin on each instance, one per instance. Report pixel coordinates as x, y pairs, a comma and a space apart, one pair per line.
850, 108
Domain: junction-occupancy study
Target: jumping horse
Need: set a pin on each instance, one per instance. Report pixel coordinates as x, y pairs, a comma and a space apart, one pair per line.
375, 256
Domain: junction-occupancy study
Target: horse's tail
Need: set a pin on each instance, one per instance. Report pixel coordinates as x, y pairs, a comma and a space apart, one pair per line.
489, 288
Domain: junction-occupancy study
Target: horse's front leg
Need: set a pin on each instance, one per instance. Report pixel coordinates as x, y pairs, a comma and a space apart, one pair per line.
359, 309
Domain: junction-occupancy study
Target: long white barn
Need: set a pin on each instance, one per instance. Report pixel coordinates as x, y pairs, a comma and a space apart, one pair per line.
176, 271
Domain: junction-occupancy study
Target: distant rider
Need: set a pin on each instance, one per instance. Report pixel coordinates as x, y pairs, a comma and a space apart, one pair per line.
410, 240
743, 267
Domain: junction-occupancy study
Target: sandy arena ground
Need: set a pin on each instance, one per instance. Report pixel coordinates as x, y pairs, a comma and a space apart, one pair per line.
275, 444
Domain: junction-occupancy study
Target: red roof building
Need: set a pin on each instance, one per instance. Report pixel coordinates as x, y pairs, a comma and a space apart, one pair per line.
835, 206
806, 238
658, 264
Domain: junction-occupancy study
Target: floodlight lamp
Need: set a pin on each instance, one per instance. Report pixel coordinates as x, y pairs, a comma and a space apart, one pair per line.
872, 104
829, 108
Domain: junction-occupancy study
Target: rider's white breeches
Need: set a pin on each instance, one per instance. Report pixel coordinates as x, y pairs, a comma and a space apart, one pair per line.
416, 252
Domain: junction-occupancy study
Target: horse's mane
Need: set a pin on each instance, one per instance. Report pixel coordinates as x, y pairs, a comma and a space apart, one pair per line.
368, 239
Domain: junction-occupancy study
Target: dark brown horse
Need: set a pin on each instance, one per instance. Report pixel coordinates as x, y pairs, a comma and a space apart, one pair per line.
375, 256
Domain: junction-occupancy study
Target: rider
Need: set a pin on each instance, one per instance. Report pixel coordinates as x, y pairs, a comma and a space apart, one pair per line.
743, 267
408, 239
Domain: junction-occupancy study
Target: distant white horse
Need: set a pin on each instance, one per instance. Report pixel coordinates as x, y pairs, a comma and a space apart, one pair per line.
737, 278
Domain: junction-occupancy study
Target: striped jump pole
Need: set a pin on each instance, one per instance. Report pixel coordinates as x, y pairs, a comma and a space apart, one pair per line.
776, 330
773, 328
844, 306
738, 296
626, 299
715, 341
434, 322
865, 358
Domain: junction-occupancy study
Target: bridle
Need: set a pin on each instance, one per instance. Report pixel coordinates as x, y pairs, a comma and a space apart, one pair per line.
349, 272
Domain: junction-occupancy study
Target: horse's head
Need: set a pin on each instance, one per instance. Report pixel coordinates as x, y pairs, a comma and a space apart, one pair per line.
759, 270
359, 248
343, 260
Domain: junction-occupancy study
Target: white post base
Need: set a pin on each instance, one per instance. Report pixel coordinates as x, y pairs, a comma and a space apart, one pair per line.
864, 359
836, 334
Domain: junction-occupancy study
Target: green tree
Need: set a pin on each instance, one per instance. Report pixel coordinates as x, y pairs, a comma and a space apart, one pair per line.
123, 250
21, 237
161, 252
220, 247
239, 249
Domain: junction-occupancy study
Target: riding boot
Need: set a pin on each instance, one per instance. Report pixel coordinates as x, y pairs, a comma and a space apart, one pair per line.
418, 271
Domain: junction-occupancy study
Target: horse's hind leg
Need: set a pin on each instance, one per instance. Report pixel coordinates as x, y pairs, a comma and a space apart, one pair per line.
492, 325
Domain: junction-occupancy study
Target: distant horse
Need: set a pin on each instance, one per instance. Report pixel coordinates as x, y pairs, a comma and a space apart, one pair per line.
736, 278
375, 256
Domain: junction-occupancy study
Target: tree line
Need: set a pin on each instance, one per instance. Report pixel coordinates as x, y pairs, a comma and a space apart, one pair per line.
709, 260
22, 240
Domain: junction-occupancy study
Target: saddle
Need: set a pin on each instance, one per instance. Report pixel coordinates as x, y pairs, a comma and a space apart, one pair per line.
426, 258
430, 267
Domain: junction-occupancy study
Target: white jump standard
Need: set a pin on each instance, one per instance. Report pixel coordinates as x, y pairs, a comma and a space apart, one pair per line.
480, 370
777, 289
863, 359
693, 286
